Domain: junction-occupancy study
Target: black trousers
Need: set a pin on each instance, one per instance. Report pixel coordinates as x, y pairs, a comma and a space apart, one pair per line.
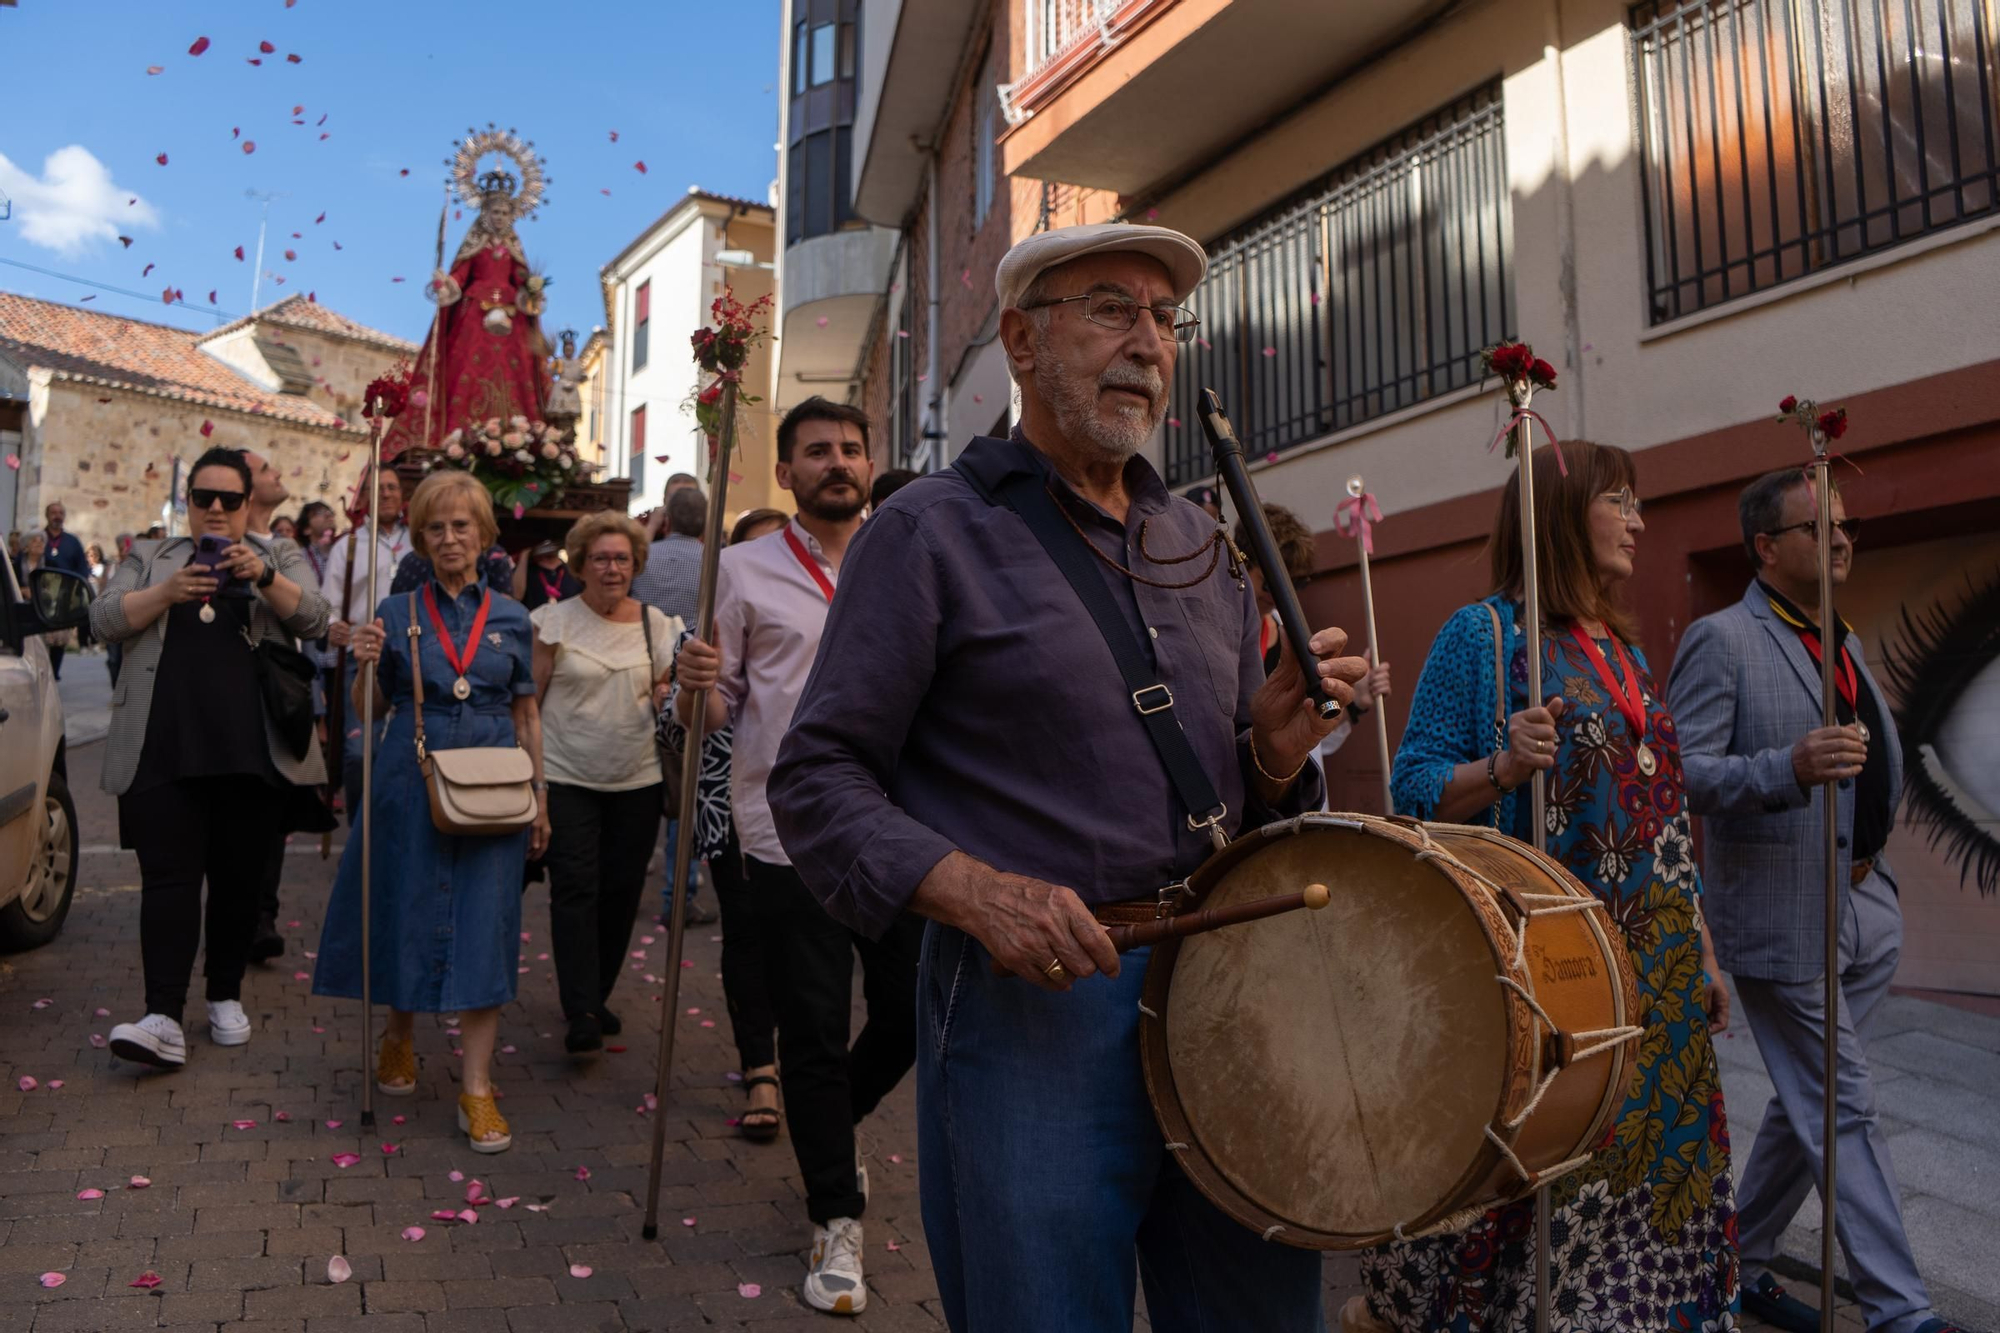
744, 986
185, 832
599, 845
55, 659
829, 1088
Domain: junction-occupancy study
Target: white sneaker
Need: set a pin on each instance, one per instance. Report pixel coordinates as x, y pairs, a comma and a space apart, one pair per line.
153, 1040
834, 1282
227, 1023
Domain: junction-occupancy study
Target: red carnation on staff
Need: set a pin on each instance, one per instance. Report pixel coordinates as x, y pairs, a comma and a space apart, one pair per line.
387, 395
1543, 374
1833, 424
1788, 404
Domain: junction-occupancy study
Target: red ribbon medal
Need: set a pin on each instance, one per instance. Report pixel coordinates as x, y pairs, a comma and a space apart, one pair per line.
1630, 698
811, 565
460, 688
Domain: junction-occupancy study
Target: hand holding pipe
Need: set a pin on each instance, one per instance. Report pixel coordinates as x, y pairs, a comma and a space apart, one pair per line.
1126, 938
1228, 451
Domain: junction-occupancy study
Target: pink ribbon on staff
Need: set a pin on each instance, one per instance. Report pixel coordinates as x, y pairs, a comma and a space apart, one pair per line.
1358, 512
1522, 413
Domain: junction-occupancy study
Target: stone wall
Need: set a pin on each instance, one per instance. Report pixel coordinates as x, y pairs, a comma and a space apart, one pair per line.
108, 455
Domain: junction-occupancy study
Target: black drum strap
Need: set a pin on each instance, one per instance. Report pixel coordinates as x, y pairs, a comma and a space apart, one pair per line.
1029, 497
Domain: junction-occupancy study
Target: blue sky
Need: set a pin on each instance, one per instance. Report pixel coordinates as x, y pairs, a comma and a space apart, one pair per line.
689, 88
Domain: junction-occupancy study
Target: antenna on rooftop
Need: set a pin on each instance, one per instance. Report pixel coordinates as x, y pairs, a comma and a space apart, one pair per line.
257, 277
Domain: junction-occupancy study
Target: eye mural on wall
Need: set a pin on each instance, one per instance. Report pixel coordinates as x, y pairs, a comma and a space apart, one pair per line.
1945, 667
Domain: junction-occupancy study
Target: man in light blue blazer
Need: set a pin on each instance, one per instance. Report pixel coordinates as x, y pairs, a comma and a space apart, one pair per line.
1745, 695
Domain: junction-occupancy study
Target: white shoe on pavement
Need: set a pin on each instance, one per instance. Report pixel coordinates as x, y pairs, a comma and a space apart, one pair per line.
227, 1023
153, 1040
834, 1282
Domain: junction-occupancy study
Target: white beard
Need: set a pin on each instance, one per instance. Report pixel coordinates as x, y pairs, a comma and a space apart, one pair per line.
1074, 401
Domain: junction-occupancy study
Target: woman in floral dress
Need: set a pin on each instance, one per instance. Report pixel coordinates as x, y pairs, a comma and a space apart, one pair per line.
1644, 1235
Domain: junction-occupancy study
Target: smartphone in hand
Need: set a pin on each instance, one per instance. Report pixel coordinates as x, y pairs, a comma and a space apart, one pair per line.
208, 550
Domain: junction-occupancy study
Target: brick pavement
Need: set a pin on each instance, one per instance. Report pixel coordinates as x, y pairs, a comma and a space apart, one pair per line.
239, 1223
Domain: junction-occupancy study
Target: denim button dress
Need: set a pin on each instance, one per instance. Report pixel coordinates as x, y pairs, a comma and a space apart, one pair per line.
445, 912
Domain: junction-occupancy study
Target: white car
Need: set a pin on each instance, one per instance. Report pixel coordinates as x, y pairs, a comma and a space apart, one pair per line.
38, 834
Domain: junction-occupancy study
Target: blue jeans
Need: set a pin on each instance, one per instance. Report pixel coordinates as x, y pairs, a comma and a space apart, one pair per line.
1044, 1169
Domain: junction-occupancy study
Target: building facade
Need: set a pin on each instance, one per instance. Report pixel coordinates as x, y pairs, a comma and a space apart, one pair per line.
1691, 209
658, 291
104, 413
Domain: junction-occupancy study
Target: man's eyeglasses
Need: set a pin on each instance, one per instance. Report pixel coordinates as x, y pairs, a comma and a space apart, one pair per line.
204, 499
1628, 504
611, 560
1112, 311
1850, 528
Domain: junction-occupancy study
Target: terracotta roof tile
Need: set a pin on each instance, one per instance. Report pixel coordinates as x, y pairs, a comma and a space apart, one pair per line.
298, 312
93, 348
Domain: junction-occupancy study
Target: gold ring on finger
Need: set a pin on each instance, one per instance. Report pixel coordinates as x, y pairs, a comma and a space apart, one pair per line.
1055, 971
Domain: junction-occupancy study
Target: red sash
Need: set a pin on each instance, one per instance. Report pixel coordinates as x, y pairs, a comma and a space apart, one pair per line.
810, 565
459, 665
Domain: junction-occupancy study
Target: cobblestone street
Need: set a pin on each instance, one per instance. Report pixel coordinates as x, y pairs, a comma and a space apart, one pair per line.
249, 1199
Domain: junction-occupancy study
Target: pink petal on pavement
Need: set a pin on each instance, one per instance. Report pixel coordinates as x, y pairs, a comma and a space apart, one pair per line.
475, 1192
139, 1182
652, 1102
338, 1269
444, 1215
104, 1013
708, 1022
301, 976
244, 1124
97, 1040
507, 1202
455, 1177
146, 1281
28, 1084
413, 1233
90, 1194
333, 1124
282, 1117
343, 1160
506, 1050
451, 1032
390, 1150
55, 1084
896, 1158
397, 1120
893, 1247
687, 1221
687, 962
749, 1291
467, 1215
316, 1031
583, 1173
43, 1004
580, 1270
53, 1279
536, 1207
645, 939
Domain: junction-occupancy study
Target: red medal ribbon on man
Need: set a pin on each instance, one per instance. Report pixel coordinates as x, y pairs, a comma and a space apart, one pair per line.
460, 688
811, 565
1628, 695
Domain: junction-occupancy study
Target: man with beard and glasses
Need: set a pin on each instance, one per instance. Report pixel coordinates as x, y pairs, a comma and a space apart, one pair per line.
968, 751
771, 602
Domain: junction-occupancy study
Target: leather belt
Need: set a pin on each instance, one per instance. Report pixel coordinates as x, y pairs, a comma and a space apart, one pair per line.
1860, 871
1138, 911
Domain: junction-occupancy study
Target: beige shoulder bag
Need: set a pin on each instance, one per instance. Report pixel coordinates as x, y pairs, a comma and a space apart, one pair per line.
477, 790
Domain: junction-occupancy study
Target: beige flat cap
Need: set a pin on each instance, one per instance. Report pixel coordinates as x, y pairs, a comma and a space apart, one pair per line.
1186, 261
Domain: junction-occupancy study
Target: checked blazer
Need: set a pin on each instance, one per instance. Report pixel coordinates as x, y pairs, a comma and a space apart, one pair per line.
149, 563
1743, 691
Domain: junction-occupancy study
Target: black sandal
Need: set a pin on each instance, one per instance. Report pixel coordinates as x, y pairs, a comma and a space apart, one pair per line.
760, 1130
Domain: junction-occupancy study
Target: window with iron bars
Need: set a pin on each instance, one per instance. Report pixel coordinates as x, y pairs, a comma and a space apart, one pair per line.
1782, 137
1371, 290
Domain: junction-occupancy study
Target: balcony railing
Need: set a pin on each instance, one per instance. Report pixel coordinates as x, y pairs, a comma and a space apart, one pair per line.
1054, 26
1782, 137
1371, 290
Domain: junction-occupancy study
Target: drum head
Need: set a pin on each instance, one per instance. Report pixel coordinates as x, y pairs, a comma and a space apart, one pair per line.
1336, 1069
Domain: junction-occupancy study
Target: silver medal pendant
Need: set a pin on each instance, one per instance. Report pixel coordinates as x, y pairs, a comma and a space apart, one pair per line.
1861, 727
461, 688
1649, 764
207, 614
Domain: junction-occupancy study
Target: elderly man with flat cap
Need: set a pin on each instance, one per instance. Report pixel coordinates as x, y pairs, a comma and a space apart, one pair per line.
971, 748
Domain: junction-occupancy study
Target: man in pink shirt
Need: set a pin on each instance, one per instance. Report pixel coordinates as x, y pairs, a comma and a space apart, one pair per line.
771, 603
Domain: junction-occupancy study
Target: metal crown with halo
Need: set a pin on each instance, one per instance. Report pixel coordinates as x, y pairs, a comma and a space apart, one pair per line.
472, 187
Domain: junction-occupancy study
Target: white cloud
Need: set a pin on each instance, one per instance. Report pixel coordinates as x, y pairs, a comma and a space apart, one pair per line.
74, 204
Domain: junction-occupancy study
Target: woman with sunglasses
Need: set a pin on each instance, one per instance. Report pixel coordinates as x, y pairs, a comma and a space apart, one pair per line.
1648, 1227
601, 665
192, 758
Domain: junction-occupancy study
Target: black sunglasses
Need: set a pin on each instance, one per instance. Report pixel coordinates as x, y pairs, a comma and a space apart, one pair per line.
1850, 528
201, 498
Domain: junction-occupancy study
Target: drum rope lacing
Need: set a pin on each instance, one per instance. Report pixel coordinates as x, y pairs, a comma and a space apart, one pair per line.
1593, 1042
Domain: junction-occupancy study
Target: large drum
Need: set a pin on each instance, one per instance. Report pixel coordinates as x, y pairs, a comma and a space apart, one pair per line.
1455, 1028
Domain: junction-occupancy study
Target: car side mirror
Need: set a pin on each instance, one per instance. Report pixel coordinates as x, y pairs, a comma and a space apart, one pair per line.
61, 599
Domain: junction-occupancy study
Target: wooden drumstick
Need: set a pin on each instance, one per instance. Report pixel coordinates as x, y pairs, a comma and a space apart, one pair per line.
1312, 898
1125, 938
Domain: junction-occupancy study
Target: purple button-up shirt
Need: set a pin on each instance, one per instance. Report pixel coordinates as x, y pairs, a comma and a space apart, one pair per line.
963, 699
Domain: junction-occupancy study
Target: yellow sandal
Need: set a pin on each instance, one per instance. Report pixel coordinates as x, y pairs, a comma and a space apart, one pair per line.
396, 1067
480, 1116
